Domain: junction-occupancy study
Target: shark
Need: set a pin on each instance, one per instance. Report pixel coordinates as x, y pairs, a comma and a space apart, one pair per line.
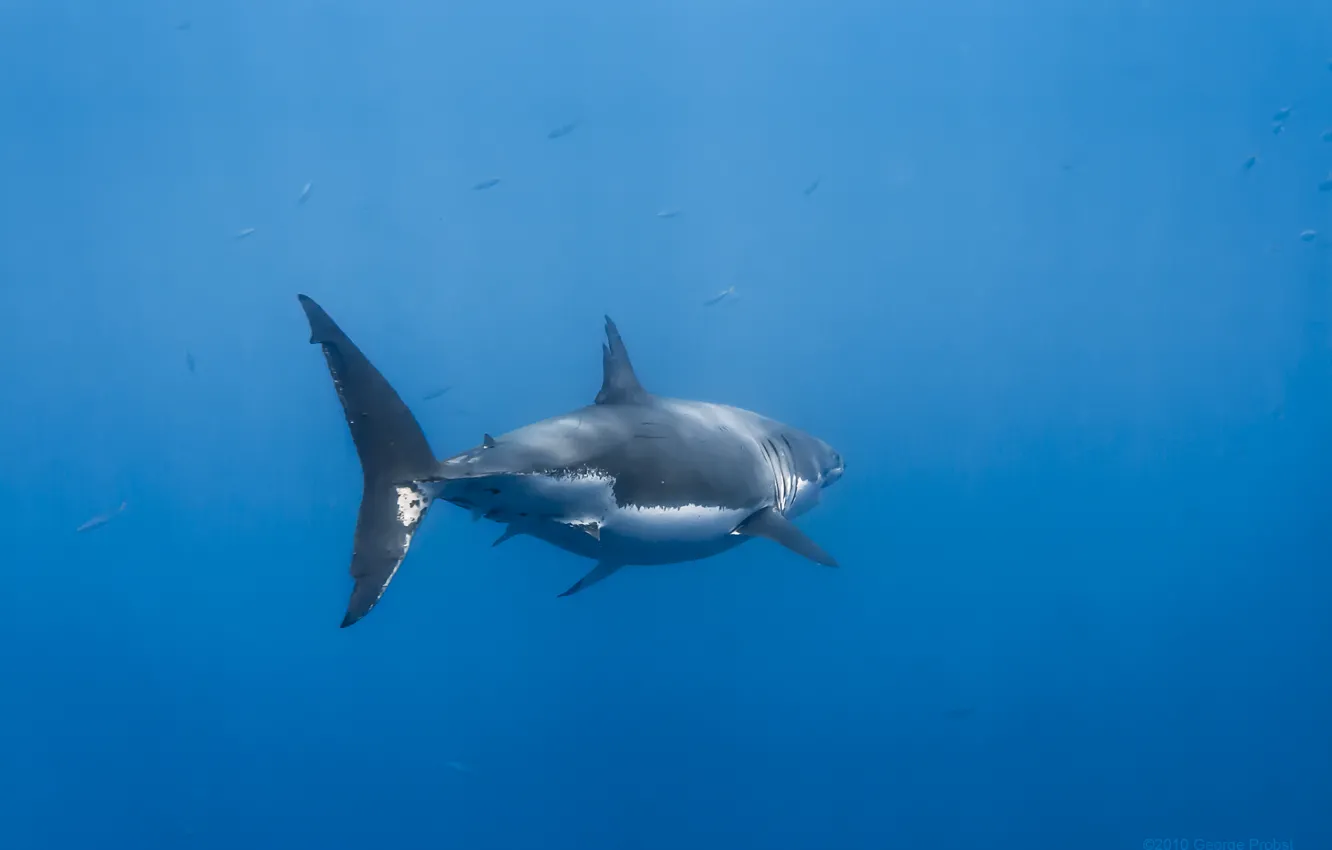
633, 479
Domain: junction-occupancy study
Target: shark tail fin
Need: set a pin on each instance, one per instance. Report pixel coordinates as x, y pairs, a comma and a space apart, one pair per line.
393, 450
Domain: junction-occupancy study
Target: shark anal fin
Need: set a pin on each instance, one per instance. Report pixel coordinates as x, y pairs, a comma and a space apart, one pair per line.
619, 384
777, 528
596, 574
510, 531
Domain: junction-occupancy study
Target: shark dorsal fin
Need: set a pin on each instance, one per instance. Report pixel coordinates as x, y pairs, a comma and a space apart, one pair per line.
619, 384
487, 441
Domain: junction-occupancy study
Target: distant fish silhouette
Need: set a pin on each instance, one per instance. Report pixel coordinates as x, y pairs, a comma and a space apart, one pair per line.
1281, 114
668, 213
1326, 185
720, 297
562, 130
1327, 135
486, 184
182, 26
459, 766
102, 519
305, 193
813, 187
1250, 162
244, 232
1308, 235
436, 393
1277, 128
189, 362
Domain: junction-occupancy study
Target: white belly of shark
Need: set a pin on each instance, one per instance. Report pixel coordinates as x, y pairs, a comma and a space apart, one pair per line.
635, 534
585, 501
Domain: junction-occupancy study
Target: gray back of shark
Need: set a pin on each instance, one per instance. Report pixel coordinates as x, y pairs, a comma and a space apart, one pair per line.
631, 479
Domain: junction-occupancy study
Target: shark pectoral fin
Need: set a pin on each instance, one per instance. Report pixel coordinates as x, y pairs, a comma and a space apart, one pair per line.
777, 528
510, 530
597, 573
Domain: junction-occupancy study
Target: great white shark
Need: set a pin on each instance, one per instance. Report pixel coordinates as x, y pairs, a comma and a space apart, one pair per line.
632, 479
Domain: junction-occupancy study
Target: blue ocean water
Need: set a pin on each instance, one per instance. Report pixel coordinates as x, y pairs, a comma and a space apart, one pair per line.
1075, 353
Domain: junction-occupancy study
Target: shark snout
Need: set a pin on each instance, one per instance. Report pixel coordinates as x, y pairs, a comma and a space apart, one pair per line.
832, 473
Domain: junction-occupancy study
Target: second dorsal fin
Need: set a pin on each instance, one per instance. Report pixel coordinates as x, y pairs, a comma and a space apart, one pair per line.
619, 384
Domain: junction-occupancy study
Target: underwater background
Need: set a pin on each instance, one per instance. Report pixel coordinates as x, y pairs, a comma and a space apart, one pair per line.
1040, 271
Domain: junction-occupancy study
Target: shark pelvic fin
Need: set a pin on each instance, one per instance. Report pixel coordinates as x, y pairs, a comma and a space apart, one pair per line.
592, 528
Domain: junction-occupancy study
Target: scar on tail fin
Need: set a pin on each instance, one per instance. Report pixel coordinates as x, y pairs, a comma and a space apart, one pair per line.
777, 528
392, 449
619, 384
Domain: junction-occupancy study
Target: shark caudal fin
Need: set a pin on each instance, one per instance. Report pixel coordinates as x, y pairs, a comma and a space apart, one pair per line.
392, 449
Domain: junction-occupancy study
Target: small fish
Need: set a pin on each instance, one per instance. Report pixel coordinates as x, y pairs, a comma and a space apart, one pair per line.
1250, 162
562, 130
668, 213
1281, 114
102, 519
244, 232
1327, 135
720, 296
1278, 128
436, 393
305, 193
813, 187
1326, 185
189, 362
1308, 235
486, 184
